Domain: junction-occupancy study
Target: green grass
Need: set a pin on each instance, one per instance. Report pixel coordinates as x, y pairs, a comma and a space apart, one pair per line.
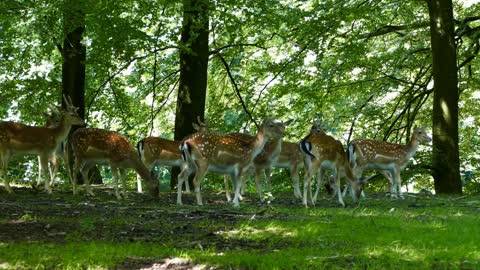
415, 233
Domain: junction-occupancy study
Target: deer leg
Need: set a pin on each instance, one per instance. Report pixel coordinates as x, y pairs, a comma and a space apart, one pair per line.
123, 176
296, 186
242, 181
347, 187
197, 180
268, 175
227, 188
184, 174
139, 178
4, 157
39, 176
258, 182
306, 181
236, 177
86, 168
390, 175
336, 176
46, 173
115, 175
139, 184
73, 176
53, 168
319, 186
398, 183
243, 185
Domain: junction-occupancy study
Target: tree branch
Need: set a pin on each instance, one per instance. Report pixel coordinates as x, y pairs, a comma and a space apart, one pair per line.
356, 117
219, 50
122, 68
227, 68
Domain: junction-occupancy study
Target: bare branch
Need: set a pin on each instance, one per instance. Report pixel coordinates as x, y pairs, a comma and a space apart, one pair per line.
227, 68
356, 117
122, 68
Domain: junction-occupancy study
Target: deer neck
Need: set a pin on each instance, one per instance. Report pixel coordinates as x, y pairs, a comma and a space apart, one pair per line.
61, 131
258, 144
141, 170
277, 147
411, 147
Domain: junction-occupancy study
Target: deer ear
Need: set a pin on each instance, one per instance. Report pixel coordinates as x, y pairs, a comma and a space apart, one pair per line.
267, 120
196, 126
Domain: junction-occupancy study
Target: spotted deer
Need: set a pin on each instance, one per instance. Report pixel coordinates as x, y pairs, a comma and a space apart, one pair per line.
20, 139
224, 154
93, 146
156, 151
52, 120
289, 158
261, 163
322, 152
388, 158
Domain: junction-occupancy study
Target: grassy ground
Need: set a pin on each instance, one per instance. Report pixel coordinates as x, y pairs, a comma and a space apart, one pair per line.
59, 231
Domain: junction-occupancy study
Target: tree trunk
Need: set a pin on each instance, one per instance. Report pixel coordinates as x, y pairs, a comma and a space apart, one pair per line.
193, 70
446, 164
73, 68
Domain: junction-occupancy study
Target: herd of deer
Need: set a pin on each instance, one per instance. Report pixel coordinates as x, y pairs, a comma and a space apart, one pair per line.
232, 154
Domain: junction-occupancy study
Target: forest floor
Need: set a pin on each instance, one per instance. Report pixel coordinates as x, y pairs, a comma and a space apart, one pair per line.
62, 231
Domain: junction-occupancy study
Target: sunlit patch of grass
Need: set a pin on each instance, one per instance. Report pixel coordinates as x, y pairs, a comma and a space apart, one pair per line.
250, 232
376, 234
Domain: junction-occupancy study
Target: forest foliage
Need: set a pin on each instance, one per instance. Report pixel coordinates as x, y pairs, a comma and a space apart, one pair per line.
364, 65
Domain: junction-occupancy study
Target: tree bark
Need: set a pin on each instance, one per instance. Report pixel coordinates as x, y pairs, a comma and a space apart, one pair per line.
193, 70
446, 164
73, 68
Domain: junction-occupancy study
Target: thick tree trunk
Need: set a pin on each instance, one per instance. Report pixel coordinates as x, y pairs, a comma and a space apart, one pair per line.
193, 70
73, 68
446, 164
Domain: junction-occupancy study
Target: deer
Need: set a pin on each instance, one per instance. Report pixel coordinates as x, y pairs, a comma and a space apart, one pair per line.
289, 157
388, 158
261, 163
322, 152
52, 120
223, 154
155, 151
93, 146
21, 139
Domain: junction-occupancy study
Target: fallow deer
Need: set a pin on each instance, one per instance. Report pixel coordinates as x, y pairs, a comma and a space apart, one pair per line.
289, 157
322, 152
156, 151
262, 162
20, 139
52, 120
93, 146
223, 154
389, 158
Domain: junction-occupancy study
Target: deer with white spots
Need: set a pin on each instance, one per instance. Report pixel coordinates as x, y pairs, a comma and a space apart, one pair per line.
156, 151
290, 158
224, 154
322, 152
262, 162
20, 139
388, 158
93, 146
52, 120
